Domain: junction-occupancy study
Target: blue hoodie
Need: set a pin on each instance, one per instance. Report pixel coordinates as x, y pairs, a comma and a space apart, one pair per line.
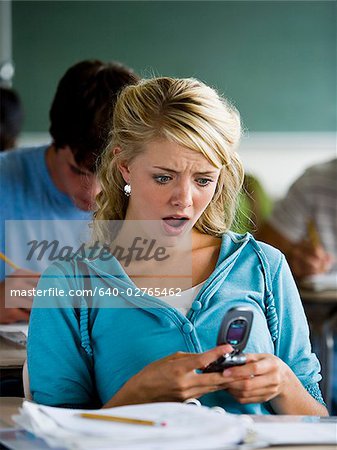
79, 355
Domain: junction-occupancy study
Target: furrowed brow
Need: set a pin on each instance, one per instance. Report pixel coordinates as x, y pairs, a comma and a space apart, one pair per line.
166, 169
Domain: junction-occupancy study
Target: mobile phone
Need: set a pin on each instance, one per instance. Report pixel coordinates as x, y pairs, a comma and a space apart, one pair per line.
234, 330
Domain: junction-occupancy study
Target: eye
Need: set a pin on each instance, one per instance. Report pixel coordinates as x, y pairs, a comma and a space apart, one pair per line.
77, 171
162, 179
204, 181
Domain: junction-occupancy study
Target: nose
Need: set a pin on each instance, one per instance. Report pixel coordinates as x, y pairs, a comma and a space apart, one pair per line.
91, 184
182, 195
96, 187
94, 190
90, 188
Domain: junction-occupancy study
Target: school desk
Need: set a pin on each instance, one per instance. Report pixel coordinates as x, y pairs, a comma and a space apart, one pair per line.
321, 310
10, 406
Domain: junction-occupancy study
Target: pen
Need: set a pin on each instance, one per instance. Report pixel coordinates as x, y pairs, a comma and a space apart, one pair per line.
313, 234
9, 261
122, 419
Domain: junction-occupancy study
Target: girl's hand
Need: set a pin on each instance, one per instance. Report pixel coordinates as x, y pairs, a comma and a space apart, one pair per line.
264, 377
173, 378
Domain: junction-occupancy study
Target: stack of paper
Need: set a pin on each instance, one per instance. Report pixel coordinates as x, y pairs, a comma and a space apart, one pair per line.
187, 427
305, 430
16, 333
321, 282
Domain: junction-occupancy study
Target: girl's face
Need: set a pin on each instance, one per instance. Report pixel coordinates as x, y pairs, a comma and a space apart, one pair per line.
170, 184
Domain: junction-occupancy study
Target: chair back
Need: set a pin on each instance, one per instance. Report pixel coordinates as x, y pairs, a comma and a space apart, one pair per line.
25, 381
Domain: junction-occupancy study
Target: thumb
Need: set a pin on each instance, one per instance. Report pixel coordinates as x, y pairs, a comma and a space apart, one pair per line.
202, 360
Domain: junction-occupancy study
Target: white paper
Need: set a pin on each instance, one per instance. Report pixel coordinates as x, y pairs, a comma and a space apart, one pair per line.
292, 433
15, 332
188, 427
321, 282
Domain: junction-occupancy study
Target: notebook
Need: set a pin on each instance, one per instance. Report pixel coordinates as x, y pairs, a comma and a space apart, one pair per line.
187, 427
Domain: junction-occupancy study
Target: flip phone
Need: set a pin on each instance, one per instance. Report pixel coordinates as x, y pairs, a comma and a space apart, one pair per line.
234, 330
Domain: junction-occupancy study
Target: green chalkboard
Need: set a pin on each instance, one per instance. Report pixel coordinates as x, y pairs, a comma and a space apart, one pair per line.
275, 60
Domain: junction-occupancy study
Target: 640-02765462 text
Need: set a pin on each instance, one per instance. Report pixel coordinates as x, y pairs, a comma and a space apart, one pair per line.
110, 292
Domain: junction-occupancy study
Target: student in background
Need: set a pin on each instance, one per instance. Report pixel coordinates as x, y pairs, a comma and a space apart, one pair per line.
173, 167
11, 118
304, 224
58, 181
304, 227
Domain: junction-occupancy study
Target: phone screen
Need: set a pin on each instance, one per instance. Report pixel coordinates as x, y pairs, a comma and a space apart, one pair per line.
236, 332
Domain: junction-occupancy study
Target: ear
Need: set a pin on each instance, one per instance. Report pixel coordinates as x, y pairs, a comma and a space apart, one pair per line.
123, 166
65, 148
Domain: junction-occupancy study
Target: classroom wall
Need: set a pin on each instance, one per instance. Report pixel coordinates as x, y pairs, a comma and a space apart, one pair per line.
275, 60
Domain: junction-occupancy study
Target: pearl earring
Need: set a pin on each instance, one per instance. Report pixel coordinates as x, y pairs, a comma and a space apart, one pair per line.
127, 190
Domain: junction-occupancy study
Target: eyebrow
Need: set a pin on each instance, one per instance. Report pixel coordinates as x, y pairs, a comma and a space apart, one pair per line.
80, 171
166, 169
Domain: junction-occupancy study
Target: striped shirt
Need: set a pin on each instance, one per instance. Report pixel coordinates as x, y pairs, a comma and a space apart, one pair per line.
313, 196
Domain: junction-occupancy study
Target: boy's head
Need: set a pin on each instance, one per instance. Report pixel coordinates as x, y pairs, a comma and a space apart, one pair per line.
82, 109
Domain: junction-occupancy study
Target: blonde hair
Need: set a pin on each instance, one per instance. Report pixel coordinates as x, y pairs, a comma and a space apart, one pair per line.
184, 111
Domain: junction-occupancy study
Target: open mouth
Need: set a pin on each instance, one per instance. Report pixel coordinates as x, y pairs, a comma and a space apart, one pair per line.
174, 225
175, 222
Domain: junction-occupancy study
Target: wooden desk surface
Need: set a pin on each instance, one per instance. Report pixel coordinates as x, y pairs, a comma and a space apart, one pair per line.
12, 356
10, 405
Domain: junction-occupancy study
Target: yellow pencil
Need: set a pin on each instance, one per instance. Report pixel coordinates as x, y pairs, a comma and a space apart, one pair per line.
128, 420
313, 234
9, 261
